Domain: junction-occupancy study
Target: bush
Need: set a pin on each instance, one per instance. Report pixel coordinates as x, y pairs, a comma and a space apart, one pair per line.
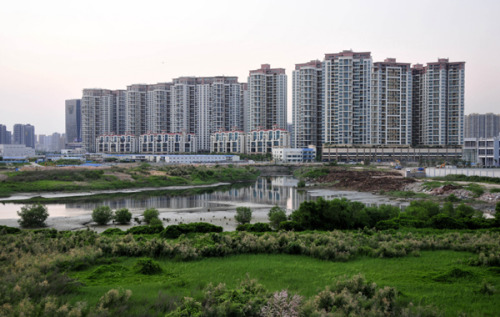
123, 216
442, 221
290, 226
175, 231
452, 198
102, 215
9, 230
148, 266
256, 227
150, 214
301, 184
155, 222
113, 231
276, 216
145, 230
33, 216
243, 215
387, 224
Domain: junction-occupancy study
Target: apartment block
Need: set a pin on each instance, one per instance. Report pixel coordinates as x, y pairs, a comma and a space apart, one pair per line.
263, 141
233, 141
391, 103
267, 89
112, 143
482, 125
73, 120
307, 104
347, 86
5, 135
163, 143
418, 75
24, 134
442, 110
484, 152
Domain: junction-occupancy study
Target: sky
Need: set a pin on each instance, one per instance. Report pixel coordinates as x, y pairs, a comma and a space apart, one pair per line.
51, 50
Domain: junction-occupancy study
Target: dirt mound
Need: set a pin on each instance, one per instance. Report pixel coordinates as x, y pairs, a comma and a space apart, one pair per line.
366, 180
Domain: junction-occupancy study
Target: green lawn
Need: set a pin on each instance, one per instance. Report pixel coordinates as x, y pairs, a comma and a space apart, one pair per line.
438, 278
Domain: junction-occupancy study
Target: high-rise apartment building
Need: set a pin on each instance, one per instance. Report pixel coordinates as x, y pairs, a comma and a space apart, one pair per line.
442, 110
347, 102
96, 106
391, 103
5, 135
307, 104
267, 89
73, 120
245, 104
482, 125
24, 134
417, 74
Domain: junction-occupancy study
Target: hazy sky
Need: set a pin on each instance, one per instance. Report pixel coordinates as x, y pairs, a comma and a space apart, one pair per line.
51, 50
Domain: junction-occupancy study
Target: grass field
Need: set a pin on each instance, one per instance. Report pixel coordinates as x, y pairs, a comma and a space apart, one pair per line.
442, 279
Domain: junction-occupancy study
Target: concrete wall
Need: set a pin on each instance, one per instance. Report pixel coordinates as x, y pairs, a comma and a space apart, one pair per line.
440, 172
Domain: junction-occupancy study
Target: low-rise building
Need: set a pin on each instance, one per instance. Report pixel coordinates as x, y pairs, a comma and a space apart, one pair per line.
157, 143
113, 143
17, 151
263, 141
294, 155
228, 142
482, 151
379, 153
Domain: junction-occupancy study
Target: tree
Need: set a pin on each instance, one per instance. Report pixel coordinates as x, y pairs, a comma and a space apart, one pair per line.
150, 214
243, 215
123, 216
276, 216
33, 216
102, 215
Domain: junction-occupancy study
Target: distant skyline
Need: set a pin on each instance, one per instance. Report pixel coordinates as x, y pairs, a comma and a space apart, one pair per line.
51, 50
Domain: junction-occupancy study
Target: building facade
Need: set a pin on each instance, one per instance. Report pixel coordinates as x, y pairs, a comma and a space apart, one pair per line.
483, 152
24, 134
233, 141
5, 135
307, 104
73, 120
347, 78
482, 125
294, 155
267, 88
263, 141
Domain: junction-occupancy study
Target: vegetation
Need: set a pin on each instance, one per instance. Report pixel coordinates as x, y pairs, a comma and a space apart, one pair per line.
102, 215
68, 180
33, 216
276, 216
478, 179
150, 214
243, 215
51, 273
123, 216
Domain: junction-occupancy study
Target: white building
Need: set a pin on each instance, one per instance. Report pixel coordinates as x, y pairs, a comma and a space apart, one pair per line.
347, 79
391, 103
482, 151
294, 155
112, 143
193, 159
167, 143
262, 141
267, 88
307, 105
228, 142
19, 151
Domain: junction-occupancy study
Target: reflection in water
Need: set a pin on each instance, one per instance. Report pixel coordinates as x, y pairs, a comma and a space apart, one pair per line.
280, 190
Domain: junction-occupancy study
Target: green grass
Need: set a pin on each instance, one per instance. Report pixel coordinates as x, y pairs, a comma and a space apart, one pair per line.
430, 279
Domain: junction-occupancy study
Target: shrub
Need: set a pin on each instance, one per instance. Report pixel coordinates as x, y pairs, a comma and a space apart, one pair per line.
9, 230
442, 221
123, 216
301, 184
465, 211
256, 227
33, 216
387, 224
112, 232
155, 222
452, 198
148, 266
174, 231
145, 230
290, 226
102, 215
243, 215
276, 216
150, 214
